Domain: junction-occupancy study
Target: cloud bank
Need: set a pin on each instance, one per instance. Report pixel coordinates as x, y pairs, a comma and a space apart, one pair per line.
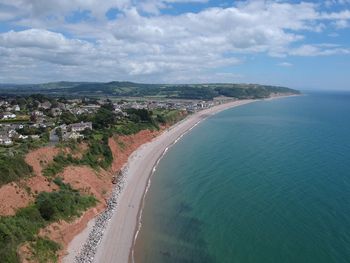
125, 39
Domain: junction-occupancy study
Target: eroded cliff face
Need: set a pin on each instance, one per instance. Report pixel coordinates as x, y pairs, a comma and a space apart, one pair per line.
16, 195
98, 183
83, 178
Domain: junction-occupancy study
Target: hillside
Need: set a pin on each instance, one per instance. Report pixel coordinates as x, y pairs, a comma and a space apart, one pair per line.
130, 89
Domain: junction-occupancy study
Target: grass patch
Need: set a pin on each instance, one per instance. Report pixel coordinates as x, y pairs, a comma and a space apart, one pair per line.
97, 136
58, 164
99, 154
169, 116
65, 204
44, 250
121, 145
72, 145
129, 128
17, 229
13, 168
19, 119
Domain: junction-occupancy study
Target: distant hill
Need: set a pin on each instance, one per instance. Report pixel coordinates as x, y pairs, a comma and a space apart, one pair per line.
131, 89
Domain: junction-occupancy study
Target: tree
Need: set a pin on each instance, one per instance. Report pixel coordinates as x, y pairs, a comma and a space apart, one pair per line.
45, 207
104, 117
143, 114
68, 117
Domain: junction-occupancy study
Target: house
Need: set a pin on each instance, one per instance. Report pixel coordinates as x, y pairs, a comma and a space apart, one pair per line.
152, 106
201, 104
75, 101
61, 106
45, 105
78, 111
12, 133
5, 140
16, 108
75, 135
91, 108
138, 106
16, 126
8, 115
71, 136
63, 127
72, 131
78, 127
56, 112
23, 137
40, 119
37, 113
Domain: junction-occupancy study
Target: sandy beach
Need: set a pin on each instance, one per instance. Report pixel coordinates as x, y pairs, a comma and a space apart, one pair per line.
122, 229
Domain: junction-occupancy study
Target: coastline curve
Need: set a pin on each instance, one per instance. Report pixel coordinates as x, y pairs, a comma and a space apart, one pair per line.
124, 223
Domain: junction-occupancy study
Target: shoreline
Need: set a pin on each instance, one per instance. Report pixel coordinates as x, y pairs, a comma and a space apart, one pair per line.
142, 203
125, 220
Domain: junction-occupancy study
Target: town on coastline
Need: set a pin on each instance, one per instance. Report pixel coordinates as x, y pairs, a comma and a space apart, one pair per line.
52, 120
61, 154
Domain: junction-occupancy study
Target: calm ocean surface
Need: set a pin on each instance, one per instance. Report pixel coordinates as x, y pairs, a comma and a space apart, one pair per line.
264, 182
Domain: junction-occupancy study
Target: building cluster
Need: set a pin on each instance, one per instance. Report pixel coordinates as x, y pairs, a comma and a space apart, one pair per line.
74, 131
11, 131
33, 119
21, 119
187, 105
8, 111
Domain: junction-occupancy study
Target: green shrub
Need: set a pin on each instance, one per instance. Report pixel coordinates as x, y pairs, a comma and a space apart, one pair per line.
168, 116
58, 164
13, 168
17, 229
99, 153
45, 250
64, 204
24, 226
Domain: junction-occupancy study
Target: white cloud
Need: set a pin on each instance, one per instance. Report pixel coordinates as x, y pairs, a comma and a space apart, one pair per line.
341, 24
330, 3
285, 64
333, 34
155, 47
42, 9
319, 50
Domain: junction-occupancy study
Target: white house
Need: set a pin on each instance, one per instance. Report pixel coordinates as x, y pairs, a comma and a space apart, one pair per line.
75, 135
8, 115
23, 137
4, 140
37, 113
16, 108
78, 127
12, 133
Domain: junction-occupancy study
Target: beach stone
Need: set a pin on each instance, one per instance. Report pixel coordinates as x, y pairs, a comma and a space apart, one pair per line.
89, 249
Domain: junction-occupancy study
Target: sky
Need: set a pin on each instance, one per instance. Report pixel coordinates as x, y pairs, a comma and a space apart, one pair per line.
298, 44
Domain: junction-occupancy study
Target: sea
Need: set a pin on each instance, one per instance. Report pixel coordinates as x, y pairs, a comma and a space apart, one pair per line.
264, 182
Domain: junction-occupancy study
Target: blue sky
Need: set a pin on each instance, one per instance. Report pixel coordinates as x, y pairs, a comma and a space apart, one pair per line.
299, 44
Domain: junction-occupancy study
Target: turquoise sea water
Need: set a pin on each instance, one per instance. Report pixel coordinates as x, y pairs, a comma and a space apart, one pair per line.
264, 182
